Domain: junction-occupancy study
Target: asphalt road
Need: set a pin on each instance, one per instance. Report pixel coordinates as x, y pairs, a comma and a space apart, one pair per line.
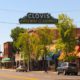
34, 75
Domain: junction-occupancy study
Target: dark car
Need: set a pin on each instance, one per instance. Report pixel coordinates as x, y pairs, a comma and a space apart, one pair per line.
21, 69
67, 68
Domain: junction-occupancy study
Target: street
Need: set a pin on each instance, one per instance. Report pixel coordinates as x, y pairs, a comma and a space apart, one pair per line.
34, 75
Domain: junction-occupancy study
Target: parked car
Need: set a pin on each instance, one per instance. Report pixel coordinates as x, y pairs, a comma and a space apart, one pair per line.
67, 68
21, 69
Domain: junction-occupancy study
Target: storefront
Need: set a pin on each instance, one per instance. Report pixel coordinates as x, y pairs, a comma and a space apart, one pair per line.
7, 63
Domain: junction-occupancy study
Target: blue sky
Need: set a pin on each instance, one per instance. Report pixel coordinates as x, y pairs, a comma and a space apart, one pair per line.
12, 10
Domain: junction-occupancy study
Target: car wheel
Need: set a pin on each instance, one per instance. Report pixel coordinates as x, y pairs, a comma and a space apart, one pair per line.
65, 73
72, 73
69, 73
58, 73
75, 73
17, 70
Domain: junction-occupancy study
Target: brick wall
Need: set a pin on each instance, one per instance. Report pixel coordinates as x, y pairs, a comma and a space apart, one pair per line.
8, 49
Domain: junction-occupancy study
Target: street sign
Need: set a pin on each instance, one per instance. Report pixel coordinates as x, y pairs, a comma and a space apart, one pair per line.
50, 54
40, 18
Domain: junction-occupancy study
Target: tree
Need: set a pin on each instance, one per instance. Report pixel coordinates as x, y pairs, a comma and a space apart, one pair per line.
46, 38
28, 43
34, 43
45, 35
15, 32
66, 41
14, 35
23, 42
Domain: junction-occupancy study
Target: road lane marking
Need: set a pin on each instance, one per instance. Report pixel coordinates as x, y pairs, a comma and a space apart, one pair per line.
17, 77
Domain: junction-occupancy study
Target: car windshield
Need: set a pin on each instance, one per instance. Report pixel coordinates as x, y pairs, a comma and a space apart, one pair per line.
19, 66
64, 64
74, 65
59, 64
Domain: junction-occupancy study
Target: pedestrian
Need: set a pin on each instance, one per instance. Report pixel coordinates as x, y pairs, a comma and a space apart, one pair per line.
45, 66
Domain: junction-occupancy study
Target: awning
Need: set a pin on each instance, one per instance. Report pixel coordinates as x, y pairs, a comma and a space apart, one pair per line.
6, 60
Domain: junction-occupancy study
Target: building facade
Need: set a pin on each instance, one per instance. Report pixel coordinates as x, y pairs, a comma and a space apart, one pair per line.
8, 48
8, 56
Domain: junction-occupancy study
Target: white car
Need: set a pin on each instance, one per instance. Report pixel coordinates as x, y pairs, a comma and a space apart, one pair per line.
21, 69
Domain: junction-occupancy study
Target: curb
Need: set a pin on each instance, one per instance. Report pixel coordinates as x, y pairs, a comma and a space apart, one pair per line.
8, 69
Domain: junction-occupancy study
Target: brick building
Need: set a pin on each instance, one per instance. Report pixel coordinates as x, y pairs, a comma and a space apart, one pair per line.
8, 56
77, 32
8, 50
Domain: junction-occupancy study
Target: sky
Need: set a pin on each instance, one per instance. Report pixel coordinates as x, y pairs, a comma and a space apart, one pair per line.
12, 10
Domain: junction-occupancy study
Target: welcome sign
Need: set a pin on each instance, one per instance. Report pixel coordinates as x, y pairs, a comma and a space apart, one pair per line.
41, 18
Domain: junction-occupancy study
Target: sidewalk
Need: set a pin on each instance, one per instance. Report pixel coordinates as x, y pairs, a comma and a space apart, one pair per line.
8, 69
48, 72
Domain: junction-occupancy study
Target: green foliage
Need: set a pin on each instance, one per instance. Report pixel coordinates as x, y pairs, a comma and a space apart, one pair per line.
35, 43
32, 45
15, 32
24, 44
14, 35
66, 41
45, 35
71, 58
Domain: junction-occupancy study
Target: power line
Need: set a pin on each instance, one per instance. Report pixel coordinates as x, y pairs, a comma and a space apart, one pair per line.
12, 10
21, 11
67, 11
2, 22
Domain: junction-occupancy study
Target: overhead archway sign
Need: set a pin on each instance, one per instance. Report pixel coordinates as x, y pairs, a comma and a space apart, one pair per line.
38, 18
